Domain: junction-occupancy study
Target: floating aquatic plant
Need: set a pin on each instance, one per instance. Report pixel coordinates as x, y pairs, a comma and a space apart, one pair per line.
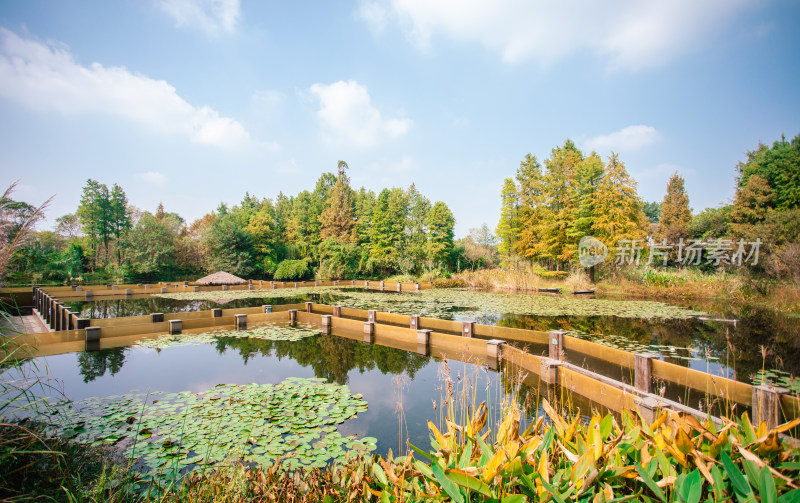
270, 332
294, 421
442, 302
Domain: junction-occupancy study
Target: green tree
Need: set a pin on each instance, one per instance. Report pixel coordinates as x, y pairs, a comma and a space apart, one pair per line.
93, 213
711, 223
151, 246
653, 211
119, 218
418, 208
779, 166
675, 213
440, 225
229, 247
589, 175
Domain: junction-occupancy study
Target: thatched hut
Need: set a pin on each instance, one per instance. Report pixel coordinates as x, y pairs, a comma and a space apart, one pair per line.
221, 278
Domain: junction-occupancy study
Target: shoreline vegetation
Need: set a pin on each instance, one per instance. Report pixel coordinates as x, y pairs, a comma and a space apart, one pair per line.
643, 283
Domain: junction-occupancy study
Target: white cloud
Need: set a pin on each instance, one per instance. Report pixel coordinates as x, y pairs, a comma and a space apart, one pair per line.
624, 140
290, 167
630, 34
153, 178
47, 77
374, 14
210, 16
348, 117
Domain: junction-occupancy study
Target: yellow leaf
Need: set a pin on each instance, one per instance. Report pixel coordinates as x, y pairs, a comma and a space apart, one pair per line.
509, 428
493, 466
787, 426
582, 466
682, 442
478, 420
556, 419
444, 446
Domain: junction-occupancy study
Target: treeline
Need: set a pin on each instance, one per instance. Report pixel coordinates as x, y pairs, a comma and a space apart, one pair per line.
332, 231
546, 210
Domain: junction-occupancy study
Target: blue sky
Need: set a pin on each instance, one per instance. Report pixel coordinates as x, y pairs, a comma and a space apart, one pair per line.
195, 102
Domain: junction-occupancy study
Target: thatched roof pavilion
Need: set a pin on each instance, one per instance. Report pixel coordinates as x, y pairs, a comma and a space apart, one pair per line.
221, 278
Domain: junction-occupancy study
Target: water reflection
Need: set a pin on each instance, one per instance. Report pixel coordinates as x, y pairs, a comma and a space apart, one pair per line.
328, 356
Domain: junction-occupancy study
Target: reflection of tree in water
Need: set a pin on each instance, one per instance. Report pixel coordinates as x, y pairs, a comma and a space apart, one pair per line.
330, 357
94, 364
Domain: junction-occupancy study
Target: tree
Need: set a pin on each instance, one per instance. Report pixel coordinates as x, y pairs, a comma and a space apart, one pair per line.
711, 223
418, 208
653, 211
508, 227
675, 213
530, 194
151, 246
589, 175
560, 203
338, 218
69, 226
229, 247
618, 212
779, 166
440, 225
751, 206
119, 217
93, 215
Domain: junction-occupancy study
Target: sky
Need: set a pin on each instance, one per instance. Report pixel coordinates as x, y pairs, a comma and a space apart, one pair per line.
193, 103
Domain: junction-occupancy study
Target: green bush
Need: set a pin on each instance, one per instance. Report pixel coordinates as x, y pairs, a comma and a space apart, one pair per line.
292, 269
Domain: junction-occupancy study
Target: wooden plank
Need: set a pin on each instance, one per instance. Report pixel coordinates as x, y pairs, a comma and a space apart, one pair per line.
359, 314
392, 318
608, 396
440, 325
601, 351
726, 389
510, 334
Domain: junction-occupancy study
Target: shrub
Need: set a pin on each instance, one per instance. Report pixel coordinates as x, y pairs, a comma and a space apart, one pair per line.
292, 269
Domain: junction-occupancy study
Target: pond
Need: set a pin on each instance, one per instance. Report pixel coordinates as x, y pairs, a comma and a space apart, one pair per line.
179, 403
735, 340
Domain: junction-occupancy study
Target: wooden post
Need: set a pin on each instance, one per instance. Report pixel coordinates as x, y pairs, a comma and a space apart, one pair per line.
274, 286
83, 323
643, 371
423, 342
372, 315
292, 316
295, 285
550, 370
128, 292
115, 287
383, 284
369, 331
335, 283
399, 287
175, 327
416, 286
249, 286
185, 283
556, 342
467, 328
337, 311
241, 321
92, 334
767, 405
57, 316
366, 283
78, 288
163, 289
267, 308
157, 317
147, 287
224, 288
260, 282
326, 323
316, 283
353, 283
90, 294
309, 306
67, 319
414, 324
647, 407
195, 288
216, 312
494, 353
